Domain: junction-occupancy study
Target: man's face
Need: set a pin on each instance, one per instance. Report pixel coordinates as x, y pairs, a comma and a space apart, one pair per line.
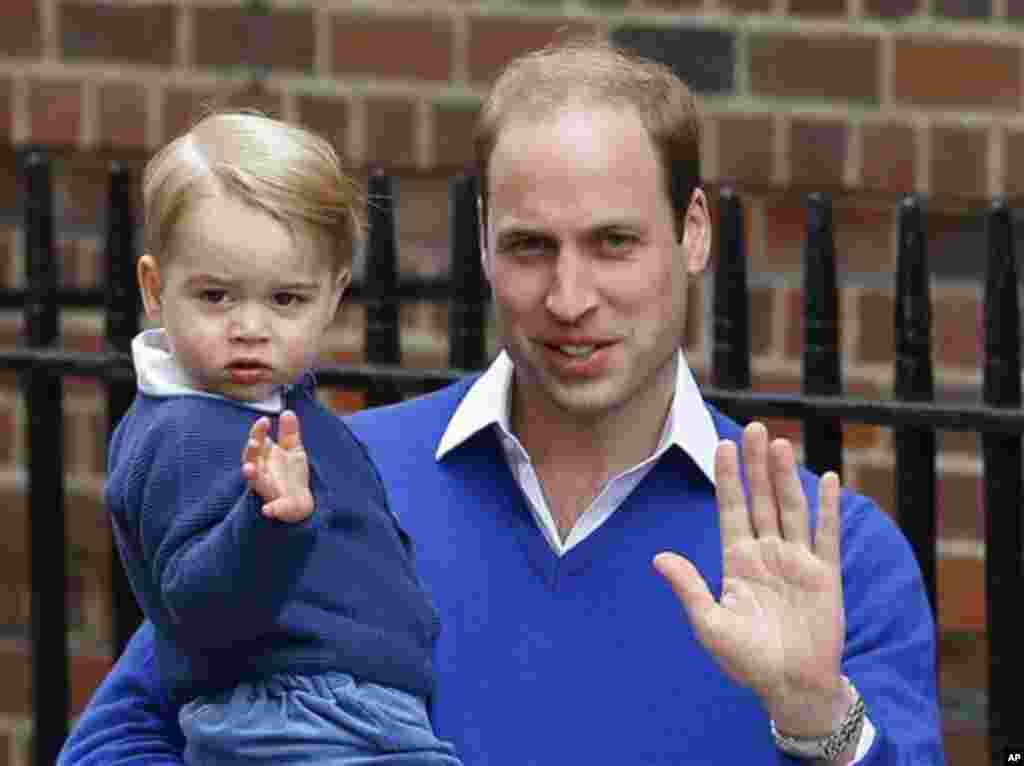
581, 250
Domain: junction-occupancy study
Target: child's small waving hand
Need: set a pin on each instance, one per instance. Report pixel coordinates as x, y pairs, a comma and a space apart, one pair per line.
279, 473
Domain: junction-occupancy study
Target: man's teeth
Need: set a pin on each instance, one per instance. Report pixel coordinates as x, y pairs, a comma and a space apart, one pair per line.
577, 350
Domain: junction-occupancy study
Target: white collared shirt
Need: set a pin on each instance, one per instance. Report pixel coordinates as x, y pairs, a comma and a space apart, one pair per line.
687, 425
159, 374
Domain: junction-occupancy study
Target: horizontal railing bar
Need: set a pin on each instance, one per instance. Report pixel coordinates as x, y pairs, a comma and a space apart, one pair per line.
894, 414
412, 288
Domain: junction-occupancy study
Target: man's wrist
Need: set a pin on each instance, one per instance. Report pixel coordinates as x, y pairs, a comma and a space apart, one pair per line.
813, 714
834, 747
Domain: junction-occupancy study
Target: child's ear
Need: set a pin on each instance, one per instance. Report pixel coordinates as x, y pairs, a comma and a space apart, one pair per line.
147, 271
341, 283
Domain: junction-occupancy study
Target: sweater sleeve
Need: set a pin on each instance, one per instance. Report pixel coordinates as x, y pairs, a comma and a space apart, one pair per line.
213, 556
128, 720
890, 639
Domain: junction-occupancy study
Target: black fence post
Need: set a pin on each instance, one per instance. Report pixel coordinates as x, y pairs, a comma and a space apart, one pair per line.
382, 342
43, 390
467, 305
123, 306
1003, 486
730, 353
915, 447
823, 438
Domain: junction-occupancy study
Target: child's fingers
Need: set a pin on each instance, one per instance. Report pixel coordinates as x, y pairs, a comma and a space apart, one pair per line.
288, 434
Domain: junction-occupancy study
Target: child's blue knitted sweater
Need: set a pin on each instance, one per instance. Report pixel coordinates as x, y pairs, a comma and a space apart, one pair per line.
236, 595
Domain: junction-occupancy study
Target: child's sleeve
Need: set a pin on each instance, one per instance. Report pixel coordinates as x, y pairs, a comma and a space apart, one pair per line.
214, 557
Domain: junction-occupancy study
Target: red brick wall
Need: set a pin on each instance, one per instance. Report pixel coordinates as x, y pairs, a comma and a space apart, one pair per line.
864, 99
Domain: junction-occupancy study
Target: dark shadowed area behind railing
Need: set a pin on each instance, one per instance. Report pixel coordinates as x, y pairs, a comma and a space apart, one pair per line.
913, 414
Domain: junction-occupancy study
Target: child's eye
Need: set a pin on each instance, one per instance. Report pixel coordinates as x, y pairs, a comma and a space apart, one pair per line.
286, 300
213, 295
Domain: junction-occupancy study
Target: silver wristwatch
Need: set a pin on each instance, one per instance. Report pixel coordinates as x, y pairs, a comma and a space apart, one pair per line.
827, 748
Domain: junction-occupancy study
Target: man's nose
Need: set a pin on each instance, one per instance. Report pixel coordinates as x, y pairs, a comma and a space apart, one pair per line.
571, 293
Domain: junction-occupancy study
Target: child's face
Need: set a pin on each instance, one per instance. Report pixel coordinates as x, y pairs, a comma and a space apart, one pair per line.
244, 301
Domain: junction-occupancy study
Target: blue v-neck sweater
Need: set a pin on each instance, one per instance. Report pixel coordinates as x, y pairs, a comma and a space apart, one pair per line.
587, 658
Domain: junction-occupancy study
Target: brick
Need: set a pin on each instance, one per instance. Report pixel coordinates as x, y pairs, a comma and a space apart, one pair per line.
329, 117
390, 132
960, 442
6, 110
453, 135
762, 320
102, 31
951, 233
958, 161
1013, 167
960, 583
87, 671
662, 5
493, 42
745, 149
984, 76
703, 57
122, 115
277, 39
888, 157
821, 67
19, 34
749, 6
817, 153
964, 9
957, 330
822, 8
863, 237
963, 664
184, 108
960, 506
875, 341
80, 184
891, 9
418, 47
421, 217
10, 183
55, 112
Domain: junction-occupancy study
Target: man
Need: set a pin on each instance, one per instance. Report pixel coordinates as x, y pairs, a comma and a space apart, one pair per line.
539, 493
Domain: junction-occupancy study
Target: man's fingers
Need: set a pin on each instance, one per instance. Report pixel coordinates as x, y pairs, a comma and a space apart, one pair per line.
826, 535
789, 493
288, 436
687, 584
732, 503
764, 513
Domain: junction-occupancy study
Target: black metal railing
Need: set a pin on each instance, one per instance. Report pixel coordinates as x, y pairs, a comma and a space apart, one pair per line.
913, 414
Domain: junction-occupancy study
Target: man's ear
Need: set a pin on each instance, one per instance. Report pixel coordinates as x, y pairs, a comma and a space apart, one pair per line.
485, 260
697, 233
147, 272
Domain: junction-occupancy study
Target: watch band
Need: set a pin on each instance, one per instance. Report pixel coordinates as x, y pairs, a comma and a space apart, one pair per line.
828, 747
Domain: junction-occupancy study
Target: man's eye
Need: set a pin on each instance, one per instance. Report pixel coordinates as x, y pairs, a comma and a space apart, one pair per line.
524, 246
617, 242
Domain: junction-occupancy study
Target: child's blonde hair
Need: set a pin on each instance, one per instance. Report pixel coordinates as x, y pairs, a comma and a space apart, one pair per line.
287, 171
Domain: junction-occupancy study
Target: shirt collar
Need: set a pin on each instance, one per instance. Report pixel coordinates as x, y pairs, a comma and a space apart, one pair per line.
159, 374
688, 426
